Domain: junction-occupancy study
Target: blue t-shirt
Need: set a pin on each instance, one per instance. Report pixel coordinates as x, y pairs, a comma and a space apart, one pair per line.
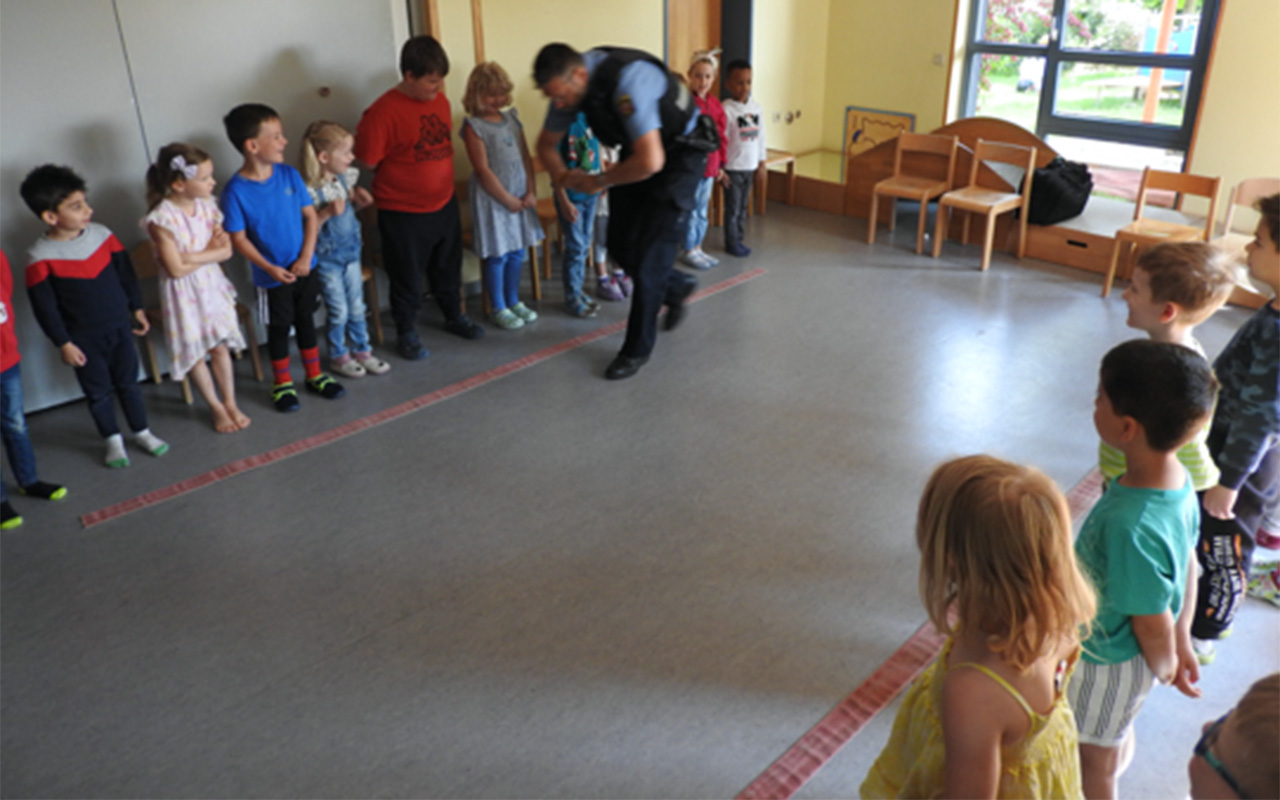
580, 149
641, 86
270, 212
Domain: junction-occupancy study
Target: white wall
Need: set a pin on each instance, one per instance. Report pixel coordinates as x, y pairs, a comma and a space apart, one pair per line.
101, 85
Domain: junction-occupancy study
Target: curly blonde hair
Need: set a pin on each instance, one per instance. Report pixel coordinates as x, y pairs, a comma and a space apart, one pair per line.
995, 544
486, 80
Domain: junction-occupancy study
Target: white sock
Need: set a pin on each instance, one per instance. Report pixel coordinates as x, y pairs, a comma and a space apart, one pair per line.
150, 442
116, 456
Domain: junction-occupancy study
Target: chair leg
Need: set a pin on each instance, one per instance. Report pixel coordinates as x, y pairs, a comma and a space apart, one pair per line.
940, 228
1022, 233
152, 365
893, 214
186, 390
546, 265
871, 225
964, 234
924, 218
988, 239
251, 338
1111, 270
371, 301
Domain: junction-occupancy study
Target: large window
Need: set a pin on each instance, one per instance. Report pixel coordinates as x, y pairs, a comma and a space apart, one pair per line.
1082, 73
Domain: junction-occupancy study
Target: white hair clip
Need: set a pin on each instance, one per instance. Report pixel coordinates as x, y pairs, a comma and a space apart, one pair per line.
710, 56
179, 164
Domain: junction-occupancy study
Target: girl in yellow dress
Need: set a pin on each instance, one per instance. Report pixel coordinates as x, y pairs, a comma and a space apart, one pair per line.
998, 574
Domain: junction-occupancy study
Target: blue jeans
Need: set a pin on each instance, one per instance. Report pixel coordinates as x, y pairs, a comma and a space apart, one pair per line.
502, 279
343, 288
577, 242
698, 216
13, 428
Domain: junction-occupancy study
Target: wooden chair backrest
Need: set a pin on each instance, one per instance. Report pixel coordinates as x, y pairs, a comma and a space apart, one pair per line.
1015, 154
1246, 193
145, 264
908, 142
1182, 183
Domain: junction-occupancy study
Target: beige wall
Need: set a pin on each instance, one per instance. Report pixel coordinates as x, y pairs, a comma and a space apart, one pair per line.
1239, 133
789, 56
880, 55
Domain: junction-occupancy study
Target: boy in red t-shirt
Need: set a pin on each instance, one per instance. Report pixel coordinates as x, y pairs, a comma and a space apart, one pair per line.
405, 137
13, 421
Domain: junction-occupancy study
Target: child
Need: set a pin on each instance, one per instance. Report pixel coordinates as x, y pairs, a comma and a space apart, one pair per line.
616, 285
196, 299
85, 295
1245, 444
989, 718
1175, 287
702, 76
1239, 754
13, 421
580, 149
504, 199
273, 224
404, 136
1136, 546
326, 167
744, 135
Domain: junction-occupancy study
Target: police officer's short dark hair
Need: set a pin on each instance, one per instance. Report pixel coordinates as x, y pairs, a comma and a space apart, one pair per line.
422, 56
1169, 389
48, 186
737, 64
553, 61
244, 121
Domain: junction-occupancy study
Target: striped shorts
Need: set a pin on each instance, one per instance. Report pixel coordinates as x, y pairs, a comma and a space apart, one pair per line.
1106, 697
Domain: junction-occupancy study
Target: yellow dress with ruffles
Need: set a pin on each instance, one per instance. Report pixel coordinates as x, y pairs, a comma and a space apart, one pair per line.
1045, 763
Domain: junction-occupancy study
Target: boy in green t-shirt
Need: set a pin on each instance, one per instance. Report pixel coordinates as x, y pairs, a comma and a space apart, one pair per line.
1137, 546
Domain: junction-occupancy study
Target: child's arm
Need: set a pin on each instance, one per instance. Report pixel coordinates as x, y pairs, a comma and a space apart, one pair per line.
976, 712
530, 199
329, 210
176, 263
246, 248
488, 181
1188, 665
567, 207
310, 228
1157, 638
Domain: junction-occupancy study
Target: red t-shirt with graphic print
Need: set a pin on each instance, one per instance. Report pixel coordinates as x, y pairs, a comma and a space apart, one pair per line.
409, 143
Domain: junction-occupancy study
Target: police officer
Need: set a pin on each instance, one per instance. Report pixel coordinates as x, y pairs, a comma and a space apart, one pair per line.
631, 100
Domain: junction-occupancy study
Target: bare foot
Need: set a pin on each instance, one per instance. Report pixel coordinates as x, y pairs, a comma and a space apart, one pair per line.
242, 421
223, 421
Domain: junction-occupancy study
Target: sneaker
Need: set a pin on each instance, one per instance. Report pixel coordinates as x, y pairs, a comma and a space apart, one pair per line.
465, 327
624, 282
1205, 650
690, 259
285, 398
1264, 582
325, 386
524, 312
347, 367
740, 250
410, 348
44, 491
372, 364
608, 288
581, 307
710, 259
507, 320
9, 517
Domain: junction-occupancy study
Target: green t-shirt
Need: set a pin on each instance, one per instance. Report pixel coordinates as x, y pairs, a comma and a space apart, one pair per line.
1135, 545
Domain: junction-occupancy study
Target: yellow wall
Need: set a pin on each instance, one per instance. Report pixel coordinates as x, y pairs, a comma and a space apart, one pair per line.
880, 55
789, 74
1239, 133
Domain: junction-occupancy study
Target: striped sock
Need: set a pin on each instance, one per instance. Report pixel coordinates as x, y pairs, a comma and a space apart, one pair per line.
311, 361
280, 371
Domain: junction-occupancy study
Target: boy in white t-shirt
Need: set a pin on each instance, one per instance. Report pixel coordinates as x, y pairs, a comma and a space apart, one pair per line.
745, 135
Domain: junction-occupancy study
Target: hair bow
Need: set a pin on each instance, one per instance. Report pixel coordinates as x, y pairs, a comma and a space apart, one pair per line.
179, 164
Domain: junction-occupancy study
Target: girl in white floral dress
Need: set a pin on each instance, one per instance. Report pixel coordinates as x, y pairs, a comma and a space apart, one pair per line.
196, 298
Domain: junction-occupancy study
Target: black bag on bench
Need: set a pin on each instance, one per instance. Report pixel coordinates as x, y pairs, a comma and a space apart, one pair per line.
1059, 191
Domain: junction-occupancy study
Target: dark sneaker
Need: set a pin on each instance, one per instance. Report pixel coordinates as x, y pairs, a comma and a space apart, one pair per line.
410, 347
740, 250
45, 491
325, 386
285, 398
464, 326
9, 518
608, 288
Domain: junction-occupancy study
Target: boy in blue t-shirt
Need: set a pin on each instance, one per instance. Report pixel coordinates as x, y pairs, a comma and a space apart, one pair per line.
579, 149
268, 212
1137, 545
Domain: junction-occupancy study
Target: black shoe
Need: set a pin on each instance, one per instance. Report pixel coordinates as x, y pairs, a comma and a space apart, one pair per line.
45, 491
285, 398
409, 346
675, 305
737, 249
9, 518
325, 386
625, 367
463, 326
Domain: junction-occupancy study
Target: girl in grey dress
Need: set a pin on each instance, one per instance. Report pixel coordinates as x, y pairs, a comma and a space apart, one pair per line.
504, 219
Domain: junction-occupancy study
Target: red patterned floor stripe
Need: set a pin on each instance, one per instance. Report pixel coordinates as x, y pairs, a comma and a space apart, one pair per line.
364, 423
802, 761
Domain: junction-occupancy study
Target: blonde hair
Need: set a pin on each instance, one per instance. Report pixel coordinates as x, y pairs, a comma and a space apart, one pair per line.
168, 169
706, 57
486, 80
1192, 275
320, 137
1257, 723
995, 543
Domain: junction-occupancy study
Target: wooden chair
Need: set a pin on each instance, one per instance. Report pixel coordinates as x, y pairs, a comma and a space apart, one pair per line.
147, 267
1144, 232
1245, 193
371, 256
989, 202
919, 187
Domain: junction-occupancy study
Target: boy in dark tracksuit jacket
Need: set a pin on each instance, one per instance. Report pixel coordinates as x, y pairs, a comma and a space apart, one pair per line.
85, 296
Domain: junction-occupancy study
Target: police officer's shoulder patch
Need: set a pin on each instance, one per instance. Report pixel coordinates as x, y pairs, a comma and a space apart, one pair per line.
625, 107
